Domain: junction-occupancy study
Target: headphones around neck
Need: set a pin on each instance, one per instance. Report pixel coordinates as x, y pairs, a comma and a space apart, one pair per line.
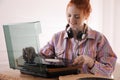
80, 35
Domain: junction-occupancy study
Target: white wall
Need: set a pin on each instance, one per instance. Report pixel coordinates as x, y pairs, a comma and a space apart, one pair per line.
111, 18
108, 20
96, 19
51, 13
116, 27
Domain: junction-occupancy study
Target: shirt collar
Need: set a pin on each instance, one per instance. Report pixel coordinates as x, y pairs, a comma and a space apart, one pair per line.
90, 34
66, 35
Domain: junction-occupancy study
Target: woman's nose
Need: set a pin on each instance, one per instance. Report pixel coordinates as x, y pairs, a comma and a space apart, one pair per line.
72, 20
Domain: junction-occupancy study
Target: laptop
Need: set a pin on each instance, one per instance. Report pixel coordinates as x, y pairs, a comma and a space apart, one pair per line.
23, 37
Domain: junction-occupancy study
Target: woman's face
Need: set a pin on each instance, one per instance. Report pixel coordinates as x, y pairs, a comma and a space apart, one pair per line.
75, 17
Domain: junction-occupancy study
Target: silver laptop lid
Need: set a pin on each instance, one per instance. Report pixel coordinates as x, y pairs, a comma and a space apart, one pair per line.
19, 36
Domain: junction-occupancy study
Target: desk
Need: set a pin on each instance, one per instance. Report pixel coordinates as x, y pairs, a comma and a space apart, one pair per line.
4, 69
17, 74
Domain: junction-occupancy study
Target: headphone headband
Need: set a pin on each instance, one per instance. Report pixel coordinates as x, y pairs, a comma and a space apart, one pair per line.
80, 35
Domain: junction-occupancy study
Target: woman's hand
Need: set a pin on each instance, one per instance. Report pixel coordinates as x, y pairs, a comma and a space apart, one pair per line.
84, 59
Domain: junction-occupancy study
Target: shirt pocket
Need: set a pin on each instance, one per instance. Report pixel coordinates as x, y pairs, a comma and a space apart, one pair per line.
59, 52
91, 53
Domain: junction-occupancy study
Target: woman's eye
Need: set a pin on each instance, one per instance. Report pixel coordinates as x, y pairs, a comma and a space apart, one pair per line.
69, 15
77, 17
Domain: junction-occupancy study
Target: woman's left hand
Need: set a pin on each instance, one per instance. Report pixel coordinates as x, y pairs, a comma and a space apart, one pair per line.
84, 59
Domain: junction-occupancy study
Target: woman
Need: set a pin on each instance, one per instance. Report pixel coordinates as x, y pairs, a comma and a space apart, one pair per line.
80, 43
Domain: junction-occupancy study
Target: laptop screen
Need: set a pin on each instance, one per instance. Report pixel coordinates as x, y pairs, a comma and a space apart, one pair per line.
19, 36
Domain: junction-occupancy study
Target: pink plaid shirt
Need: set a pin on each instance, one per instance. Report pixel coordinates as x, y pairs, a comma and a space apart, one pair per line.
95, 46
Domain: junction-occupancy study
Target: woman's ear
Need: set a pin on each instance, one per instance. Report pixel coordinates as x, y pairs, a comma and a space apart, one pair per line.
86, 18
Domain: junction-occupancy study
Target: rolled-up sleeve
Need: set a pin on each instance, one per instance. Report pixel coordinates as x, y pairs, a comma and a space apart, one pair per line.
48, 49
105, 60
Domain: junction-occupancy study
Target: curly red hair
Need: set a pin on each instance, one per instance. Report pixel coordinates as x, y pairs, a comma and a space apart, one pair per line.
82, 5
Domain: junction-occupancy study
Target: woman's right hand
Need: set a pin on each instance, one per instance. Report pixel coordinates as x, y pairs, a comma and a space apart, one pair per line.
83, 59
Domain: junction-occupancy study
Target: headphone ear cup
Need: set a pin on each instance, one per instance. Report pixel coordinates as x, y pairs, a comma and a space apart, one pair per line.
70, 33
81, 35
